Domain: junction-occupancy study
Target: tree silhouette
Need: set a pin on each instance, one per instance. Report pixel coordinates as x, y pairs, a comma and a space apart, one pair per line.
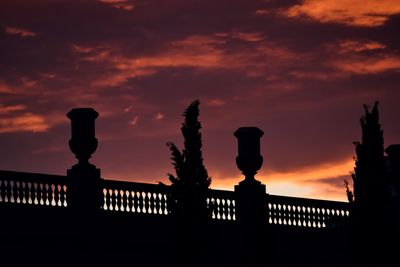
369, 208
369, 177
191, 182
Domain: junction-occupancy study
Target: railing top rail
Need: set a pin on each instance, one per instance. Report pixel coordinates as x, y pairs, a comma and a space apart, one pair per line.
32, 177
307, 201
221, 193
135, 186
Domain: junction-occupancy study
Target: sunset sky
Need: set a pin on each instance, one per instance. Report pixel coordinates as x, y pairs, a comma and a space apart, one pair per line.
298, 70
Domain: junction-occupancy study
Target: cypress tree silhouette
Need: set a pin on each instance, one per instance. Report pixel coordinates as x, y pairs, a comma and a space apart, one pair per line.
190, 185
370, 195
370, 176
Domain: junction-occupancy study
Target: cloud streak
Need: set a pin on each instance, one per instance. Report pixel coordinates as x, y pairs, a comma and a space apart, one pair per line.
354, 13
19, 31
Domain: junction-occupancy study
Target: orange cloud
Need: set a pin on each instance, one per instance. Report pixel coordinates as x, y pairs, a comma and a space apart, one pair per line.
4, 88
11, 109
361, 57
355, 12
216, 102
19, 31
26, 122
196, 51
368, 65
357, 46
17, 118
248, 36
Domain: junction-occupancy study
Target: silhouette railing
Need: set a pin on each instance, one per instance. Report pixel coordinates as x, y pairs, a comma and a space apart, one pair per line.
221, 204
20, 188
134, 197
303, 212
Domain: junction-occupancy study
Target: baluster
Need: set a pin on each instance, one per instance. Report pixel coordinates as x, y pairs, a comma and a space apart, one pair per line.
17, 191
125, 206
154, 201
224, 211
279, 214
215, 207
313, 217
117, 200
284, 221
8, 191
107, 199
53, 194
140, 202
273, 213
146, 202
6, 198
232, 209
295, 216
44, 194
63, 196
150, 202
13, 191
28, 192
130, 201
321, 217
40, 193
56, 195
136, 203
289, 214
121, 194
37, 193
113, 199
22, 198
2, 191
106, 195
299, 216
228, 210
49, 194
218, 210
157, 203
210, 205
33, 193
164, 206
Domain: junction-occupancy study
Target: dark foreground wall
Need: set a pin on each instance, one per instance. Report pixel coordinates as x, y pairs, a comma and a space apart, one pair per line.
51, 236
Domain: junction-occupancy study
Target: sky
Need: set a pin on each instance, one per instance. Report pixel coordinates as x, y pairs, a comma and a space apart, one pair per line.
299, 70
